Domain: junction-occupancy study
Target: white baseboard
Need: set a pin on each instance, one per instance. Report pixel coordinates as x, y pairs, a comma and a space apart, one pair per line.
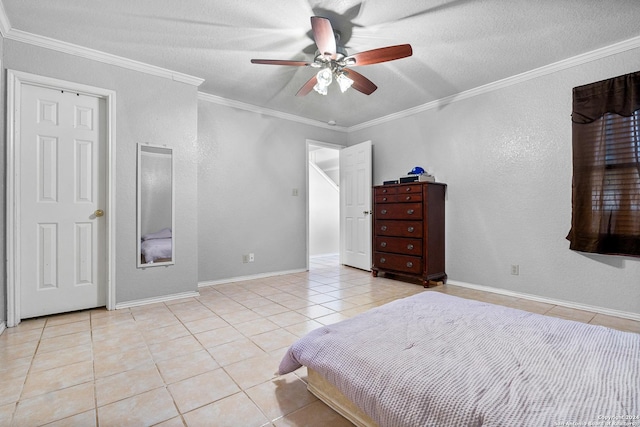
3, 326
251, 277
569, 304
164, 298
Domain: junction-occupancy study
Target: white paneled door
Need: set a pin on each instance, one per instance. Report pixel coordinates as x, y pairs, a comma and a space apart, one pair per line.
62, 193
355, 206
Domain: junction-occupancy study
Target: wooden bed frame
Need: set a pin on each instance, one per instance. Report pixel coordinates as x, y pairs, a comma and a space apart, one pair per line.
337, 401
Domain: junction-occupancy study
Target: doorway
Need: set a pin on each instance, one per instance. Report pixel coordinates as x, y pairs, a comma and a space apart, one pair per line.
65, 251
324, 199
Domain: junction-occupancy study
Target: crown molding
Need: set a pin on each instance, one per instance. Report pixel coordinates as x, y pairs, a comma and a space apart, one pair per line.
564, 64
84, 52
96, 55
266, 111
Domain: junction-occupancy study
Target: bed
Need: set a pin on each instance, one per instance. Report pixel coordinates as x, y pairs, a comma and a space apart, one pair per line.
438, 360
156, 247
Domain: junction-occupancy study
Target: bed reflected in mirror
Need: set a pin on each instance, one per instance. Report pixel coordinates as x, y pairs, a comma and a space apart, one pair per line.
155, 234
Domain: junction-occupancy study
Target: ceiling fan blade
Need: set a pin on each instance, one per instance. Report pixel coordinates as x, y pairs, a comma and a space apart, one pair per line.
307, 86
382, 54
360, 82
323, 35
280, 62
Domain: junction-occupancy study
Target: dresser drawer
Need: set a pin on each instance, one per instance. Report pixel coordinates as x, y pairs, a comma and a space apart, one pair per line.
409, 197
399, 228
385, 191
399, 211
400, 245
409, 189
386, 198
398, 198
402, 263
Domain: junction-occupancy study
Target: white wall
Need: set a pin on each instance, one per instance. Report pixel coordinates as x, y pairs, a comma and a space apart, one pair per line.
324, 213
248, 166
506, 157
149, 109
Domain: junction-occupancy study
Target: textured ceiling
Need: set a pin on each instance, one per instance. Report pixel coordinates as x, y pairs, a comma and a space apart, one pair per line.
458, 45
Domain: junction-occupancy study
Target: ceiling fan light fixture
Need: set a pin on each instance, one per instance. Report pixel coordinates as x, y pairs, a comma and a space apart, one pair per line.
324, 78
344, 82
322, 90
332, 59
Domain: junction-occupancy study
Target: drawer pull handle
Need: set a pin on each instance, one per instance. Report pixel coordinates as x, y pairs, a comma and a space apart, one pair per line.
408, 189
410, 229
384, 199
410, 246
408, 198
383, 212
382, 260
383, 244
410, 211
384, 191
383, 228
409, 264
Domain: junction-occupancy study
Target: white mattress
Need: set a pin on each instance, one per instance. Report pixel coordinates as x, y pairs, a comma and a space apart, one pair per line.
438, 360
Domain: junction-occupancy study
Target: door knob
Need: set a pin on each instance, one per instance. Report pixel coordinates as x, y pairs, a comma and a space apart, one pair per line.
367, 212
98, 213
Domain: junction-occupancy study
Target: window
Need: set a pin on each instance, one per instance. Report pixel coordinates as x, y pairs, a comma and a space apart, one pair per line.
606, 167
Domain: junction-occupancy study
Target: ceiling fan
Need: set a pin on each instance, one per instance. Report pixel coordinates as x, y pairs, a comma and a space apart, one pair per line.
334, 63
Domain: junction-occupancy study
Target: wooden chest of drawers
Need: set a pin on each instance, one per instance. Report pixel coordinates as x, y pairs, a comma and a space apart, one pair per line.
408, 230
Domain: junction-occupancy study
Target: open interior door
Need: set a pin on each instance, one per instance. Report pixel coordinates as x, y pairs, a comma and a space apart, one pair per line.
355, 206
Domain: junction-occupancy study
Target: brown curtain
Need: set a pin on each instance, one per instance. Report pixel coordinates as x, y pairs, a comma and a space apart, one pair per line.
606, 167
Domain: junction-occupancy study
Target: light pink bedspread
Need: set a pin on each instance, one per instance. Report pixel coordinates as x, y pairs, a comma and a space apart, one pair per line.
438, 360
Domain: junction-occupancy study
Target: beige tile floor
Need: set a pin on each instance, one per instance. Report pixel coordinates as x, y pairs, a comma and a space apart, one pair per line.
204, 361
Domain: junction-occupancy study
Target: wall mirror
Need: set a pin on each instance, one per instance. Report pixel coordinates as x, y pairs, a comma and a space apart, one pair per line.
156, 231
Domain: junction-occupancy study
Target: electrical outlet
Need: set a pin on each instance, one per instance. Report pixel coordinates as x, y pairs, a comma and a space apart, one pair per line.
294, 192
252, 257
515, 269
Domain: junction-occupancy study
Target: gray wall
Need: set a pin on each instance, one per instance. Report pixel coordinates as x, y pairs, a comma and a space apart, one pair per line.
506, 157
149, 109
249, 166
